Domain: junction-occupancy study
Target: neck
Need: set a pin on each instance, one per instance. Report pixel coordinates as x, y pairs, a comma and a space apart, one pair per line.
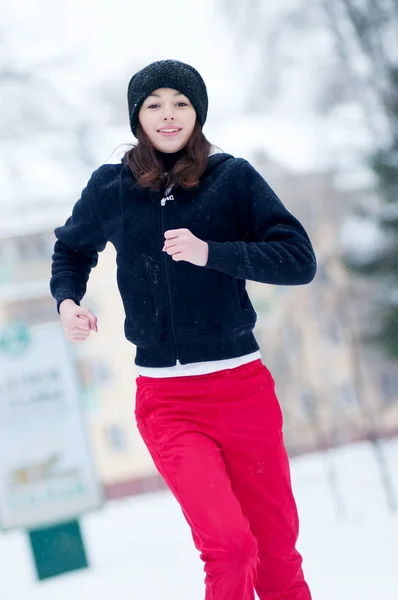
169, 159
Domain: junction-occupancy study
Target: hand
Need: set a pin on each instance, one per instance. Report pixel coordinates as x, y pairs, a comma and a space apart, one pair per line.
181, 244
78, 322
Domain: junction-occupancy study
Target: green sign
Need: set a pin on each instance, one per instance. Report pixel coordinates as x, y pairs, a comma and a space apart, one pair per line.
14, 339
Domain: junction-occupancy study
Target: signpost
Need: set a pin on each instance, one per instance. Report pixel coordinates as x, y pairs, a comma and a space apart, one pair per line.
47, 476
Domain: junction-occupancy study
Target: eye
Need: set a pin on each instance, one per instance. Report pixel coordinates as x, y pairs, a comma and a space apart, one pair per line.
182, 103
153, 105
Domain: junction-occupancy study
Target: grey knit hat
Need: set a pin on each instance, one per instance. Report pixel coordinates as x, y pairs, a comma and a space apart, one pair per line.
167, 74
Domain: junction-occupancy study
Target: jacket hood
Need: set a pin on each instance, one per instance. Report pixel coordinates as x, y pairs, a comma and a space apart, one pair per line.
215, 160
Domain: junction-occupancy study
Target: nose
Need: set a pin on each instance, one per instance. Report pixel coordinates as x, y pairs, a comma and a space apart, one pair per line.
168, 112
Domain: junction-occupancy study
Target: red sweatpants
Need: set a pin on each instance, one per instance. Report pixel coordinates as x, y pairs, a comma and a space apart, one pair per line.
217, 441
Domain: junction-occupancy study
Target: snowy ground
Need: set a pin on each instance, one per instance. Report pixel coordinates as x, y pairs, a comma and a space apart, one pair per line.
140, 548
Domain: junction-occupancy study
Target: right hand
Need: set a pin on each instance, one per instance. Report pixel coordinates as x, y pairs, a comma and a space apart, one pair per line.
78, 322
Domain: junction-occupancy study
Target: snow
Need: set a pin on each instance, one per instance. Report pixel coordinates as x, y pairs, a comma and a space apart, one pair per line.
91, 41
141, 547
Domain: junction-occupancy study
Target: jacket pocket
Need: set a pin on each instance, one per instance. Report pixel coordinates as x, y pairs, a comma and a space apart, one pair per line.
144, 304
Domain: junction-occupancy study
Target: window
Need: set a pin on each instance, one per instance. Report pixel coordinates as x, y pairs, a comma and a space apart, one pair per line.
116, 438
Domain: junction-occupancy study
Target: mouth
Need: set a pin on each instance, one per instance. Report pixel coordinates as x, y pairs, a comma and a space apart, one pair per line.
169, 131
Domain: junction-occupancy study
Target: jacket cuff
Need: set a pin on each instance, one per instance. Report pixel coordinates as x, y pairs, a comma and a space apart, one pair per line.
69, 297
224, 257
67, 288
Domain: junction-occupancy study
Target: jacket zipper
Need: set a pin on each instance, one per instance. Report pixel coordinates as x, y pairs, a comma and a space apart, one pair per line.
163, 202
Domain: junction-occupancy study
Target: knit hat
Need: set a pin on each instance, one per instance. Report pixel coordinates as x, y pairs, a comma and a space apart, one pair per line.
167, 74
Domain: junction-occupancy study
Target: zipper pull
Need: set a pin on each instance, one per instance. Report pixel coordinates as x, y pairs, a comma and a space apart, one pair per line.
164, 200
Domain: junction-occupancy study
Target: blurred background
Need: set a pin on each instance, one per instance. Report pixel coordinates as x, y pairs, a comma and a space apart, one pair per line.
308, 92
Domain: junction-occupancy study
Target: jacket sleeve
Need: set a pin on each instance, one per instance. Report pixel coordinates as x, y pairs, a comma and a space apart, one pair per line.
76, 249
276, 249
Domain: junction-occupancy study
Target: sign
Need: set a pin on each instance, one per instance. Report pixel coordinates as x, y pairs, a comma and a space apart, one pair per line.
58, 549
46, 469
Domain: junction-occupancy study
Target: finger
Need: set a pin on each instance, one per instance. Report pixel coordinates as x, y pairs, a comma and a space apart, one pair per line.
172, 244
78, 333
93, 323
173, 233
172, 251
77, 330
77, 338
92, 319
81, 323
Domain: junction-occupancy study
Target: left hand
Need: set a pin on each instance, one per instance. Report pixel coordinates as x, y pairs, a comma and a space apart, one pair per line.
181, 244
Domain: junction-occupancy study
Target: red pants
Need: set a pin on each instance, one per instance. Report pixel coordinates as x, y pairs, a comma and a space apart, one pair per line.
217, 441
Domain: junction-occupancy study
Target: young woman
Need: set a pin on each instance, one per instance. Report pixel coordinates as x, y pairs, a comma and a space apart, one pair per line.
189, 228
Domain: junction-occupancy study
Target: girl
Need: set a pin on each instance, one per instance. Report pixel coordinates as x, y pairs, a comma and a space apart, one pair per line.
189, 228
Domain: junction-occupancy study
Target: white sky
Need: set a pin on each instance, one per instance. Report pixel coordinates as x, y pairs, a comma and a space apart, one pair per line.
111, 37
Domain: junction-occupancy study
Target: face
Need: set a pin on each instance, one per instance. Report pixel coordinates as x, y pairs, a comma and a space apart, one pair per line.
168, 119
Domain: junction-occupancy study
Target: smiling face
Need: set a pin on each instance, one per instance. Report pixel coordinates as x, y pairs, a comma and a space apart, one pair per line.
168, 119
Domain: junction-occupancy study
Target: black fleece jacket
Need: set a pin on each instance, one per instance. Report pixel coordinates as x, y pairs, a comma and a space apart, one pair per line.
177, 310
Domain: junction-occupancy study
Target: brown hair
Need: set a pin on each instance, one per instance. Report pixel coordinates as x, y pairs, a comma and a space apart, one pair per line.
148, 169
